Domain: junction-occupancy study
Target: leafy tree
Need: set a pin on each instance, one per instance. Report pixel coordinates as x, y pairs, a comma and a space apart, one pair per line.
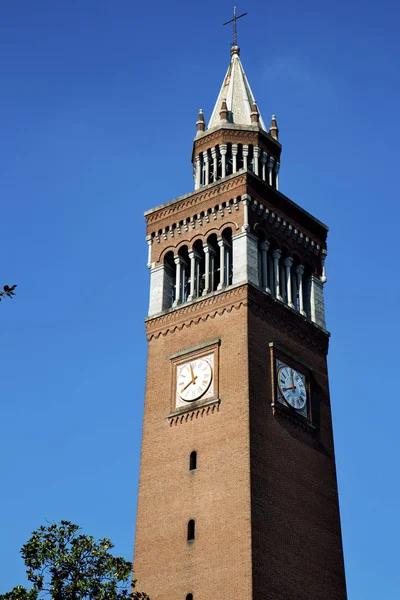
7, 291
64, 564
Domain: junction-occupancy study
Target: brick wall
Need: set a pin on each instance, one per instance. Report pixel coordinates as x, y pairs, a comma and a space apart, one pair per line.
264, 493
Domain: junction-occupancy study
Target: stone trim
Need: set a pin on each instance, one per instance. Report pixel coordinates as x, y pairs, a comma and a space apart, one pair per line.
195, 348
206, 192
280, 411
283, 350
200, 310
190, 413
233, 298
199, 220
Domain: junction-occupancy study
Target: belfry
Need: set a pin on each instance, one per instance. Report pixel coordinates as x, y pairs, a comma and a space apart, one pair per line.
238, 494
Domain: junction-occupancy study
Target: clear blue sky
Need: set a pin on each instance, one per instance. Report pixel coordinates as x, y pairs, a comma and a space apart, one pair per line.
97, 110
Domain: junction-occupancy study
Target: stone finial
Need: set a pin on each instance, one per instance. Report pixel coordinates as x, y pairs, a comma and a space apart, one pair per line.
254, 115
223, 113
200, 123
273, 128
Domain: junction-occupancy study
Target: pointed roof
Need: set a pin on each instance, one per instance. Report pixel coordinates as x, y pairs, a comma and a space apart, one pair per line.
238, 95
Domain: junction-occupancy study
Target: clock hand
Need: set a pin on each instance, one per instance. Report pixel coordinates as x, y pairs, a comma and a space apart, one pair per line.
190, 383
291, 374
292, 387
192, 374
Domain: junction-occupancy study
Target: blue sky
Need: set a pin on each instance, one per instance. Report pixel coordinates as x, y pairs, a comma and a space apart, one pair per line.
98, 108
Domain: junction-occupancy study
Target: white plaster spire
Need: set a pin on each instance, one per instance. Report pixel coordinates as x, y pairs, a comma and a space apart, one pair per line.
238, 95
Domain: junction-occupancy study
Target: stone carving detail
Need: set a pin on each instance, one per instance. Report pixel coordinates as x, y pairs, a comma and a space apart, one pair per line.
194, 414
196, 198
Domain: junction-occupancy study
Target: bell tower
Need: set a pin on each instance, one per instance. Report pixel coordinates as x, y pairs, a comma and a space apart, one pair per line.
237, 495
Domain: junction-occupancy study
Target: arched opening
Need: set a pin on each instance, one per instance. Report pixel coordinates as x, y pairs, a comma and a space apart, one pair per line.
193, 461
273, 275
189, 597
229, 160
296, 276
213, 250
239, 159
199, 274
191, 530
228, 256
250, 158
170, 278
184, 283
262, 259
286, 283
308, 271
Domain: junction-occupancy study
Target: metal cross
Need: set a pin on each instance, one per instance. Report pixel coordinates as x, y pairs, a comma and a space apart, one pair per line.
235, 18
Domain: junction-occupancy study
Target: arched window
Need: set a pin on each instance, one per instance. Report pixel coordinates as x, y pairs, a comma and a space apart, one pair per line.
190, 534
193, 460
189, 597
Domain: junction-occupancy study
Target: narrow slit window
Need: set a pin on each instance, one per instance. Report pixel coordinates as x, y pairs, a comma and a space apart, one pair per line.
193, 460
191, 528
189, 597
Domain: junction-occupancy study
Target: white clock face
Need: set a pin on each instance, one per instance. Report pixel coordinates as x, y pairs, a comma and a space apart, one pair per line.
193, 379
292, 388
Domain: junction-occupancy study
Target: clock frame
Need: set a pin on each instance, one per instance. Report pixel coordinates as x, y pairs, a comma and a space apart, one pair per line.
202, 363
281, 358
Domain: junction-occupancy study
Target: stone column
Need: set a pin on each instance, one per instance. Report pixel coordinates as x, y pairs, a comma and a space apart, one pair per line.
221, 245
192, 257
178, 282
271, 273
323, 258
282, 281
228, 251
300, 273
206, 168
161, 284
245, 151
288, 262
234, 157
293, 278
270, 168
264, 266
149, 241
206, 249
277, 165
245, 258
215, 163
223, 149
317, 308
212, 270
246, 201
276, 256
198, 173
264, 158
256, 157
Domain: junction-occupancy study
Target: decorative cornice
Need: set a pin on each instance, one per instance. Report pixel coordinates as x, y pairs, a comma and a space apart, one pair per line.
297, 420
236, 135
194, 413
201, 309
196, 197
196, 221
234, 298
296, 326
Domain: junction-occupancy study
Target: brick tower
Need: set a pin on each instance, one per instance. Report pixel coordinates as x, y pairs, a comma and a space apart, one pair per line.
237, 495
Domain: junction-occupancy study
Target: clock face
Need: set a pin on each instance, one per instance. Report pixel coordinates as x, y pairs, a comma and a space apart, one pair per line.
292, 387
193, 379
